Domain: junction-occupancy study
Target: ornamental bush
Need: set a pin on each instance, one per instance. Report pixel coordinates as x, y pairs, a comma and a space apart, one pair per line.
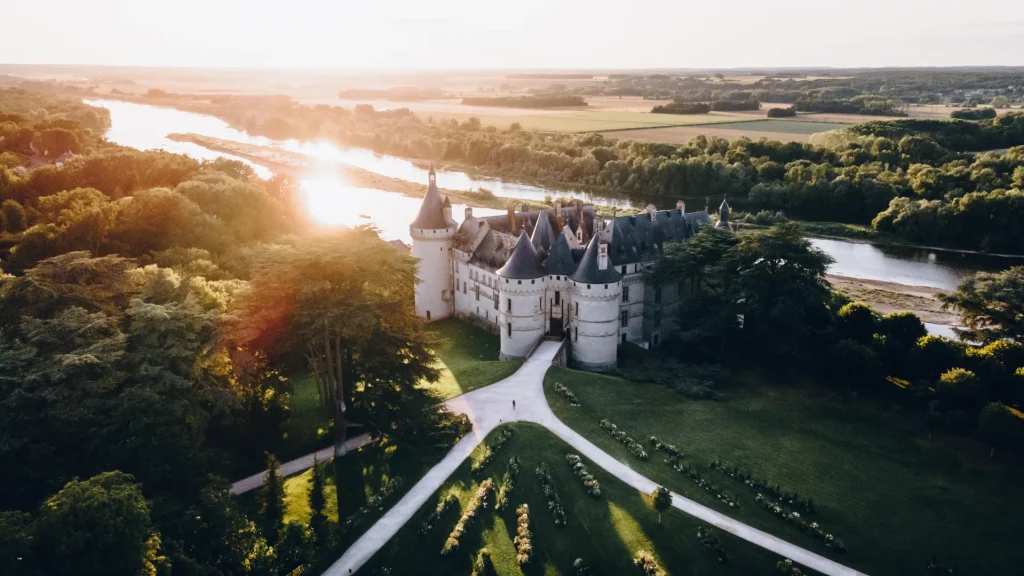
710, 540
551, 493
479, 501
666, 448
812, 528
443, 505
646, 564
508, 482
373, 504
564, 391
692, 473
785, 497
589, 482
483, 566
581, 568
634, 447
524, 545
504, 435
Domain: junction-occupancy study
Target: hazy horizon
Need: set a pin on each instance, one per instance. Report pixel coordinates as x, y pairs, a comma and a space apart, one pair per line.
533, 34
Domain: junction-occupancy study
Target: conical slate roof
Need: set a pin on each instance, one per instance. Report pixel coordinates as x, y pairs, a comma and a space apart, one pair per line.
560, 259
431, 215
723, 215
524, 263
588, 272
543, 236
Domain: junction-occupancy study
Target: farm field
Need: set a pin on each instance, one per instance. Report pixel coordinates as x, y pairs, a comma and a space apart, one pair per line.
606, 532
788, 130
891, 494
583, 120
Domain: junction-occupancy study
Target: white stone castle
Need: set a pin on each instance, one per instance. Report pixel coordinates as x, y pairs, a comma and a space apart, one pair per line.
563, 272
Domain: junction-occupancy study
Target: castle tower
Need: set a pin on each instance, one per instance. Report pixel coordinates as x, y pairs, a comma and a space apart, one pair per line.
596, 292
723, 215
521, 287
433, 233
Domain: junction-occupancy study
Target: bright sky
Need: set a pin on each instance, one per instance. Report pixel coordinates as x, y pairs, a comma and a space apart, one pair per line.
396, 34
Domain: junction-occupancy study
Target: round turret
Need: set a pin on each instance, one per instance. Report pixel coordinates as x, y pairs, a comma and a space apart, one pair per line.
596, 293
433, 234
521, 286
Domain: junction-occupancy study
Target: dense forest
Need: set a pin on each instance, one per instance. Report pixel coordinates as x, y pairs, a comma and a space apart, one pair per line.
145, 346
920, 180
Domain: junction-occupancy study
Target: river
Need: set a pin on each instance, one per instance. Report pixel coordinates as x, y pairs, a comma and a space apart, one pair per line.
332, 201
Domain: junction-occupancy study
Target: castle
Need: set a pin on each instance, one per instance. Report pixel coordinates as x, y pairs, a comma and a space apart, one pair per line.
562, 272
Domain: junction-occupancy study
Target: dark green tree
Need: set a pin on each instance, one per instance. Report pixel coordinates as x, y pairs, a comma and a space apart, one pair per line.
857, 321
991, 305
13, 216
318, 522
272, 507
100, 526
999, 426
661, 500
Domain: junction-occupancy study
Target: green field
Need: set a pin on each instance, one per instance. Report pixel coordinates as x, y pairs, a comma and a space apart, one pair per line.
782, 126
586, 120
606, 532
470, 358
892, 495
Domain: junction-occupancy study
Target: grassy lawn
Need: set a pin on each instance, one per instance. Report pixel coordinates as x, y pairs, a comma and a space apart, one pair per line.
307, 428
470, 358
893, 496
606, 532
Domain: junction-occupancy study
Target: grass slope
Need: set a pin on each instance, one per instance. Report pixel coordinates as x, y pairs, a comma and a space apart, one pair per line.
893, 496
470, 358
606, 532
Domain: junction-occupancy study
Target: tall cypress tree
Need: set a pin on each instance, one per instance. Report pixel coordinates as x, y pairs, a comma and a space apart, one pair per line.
317, 503
272, 500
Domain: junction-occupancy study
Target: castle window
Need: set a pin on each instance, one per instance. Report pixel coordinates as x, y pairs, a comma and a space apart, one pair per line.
577, 308
509, 302
510, 329
654, 341
478, 293
624, 318
623, 338
588, 286
576, 335
657, 319
463, 286
496, 299
520, 281
625, 293
533, 281
428, 315
623, 270
657, 295
605, 286
558, 297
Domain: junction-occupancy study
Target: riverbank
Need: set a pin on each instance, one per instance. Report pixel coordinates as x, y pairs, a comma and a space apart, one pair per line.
888, 297
297, 163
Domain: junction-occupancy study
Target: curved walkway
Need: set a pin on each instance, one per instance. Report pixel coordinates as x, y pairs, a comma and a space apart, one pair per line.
299, 464
491, 406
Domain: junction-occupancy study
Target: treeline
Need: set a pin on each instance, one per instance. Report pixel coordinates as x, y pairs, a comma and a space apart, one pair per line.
143, 350
531, 101
682, 108
767, 304
861, 104
39, 128
973, 114
851, 178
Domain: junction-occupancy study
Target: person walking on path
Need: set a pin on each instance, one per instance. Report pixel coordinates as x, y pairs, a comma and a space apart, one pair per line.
513, 404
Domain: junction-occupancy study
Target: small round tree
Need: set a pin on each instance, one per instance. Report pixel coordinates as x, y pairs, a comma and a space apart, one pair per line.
661, 499
998, 426
14, 218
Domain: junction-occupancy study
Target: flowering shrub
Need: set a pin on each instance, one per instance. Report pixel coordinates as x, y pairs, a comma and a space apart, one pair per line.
564, 392
812, 528
761, 485
634, 447
692, 473
492, 449
591, 483
483, 566
479, 501
443, 505
373, 504
787, 566
551, 493
524, 546
644, 560
710, 540
581, 568
508, 482
666, 448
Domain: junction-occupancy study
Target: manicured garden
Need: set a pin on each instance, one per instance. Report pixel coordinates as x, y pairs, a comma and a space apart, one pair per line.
534, 509
470, 358
845, 477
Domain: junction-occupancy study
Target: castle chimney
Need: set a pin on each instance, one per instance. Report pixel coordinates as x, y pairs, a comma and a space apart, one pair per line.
652, 211
681, 206
469, 212
602, 256
511, 219
559, 222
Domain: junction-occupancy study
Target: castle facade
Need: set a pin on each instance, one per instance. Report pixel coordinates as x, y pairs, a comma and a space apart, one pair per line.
562, 272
